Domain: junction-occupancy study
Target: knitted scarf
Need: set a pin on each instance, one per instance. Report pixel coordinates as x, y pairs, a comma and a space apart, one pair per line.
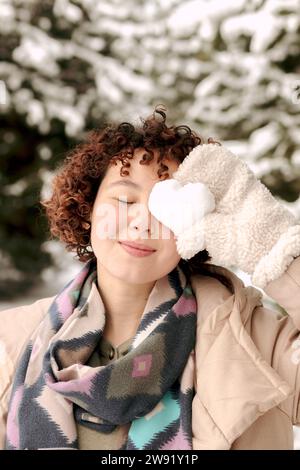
151, 387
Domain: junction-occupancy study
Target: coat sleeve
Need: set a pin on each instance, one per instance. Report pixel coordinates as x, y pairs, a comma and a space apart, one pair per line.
17, 325
280, 342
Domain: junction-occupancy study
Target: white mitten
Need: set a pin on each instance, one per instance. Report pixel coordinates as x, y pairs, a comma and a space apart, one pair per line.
239, 222
177, 206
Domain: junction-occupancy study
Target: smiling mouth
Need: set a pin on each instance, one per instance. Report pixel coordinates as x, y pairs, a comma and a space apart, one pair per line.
136, 246
136, 251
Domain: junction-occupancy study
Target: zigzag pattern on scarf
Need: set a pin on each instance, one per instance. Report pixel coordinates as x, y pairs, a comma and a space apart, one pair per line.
151, 387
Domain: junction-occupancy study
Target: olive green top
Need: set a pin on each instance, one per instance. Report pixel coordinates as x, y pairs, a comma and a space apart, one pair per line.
90, 439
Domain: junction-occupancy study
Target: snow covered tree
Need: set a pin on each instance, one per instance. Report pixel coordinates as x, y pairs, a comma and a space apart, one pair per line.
228, 69
248, 82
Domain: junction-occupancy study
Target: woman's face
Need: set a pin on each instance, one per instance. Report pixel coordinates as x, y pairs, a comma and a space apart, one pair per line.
113, 221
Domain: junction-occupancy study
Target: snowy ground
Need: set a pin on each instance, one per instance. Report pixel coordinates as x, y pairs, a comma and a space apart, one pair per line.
67, 268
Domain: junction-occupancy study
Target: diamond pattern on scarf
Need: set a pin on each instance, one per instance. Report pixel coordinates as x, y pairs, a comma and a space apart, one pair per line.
143, 388
121, 384
142, 365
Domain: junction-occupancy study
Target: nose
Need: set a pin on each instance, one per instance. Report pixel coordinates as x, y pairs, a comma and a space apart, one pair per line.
142, 222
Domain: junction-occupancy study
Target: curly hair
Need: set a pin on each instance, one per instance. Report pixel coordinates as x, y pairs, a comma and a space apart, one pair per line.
77, 180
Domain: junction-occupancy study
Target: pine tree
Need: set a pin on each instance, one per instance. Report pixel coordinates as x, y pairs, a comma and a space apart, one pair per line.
228, 69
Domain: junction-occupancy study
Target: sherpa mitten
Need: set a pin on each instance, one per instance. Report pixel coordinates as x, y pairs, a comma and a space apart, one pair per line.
232, 215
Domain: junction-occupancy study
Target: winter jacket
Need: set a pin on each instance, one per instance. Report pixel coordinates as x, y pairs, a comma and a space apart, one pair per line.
247, 356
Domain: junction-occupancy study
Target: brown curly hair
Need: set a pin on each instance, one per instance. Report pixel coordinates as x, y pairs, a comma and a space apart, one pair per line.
77, 181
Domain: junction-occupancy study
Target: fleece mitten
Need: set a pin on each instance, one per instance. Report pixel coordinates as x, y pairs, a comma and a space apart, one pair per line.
215, 202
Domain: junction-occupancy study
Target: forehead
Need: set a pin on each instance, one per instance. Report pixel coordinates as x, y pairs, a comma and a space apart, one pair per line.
139, 174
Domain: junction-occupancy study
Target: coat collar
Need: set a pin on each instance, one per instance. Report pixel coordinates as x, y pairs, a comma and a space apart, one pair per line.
234, 384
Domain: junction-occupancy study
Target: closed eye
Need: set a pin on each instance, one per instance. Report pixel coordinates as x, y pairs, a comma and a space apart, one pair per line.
124, 202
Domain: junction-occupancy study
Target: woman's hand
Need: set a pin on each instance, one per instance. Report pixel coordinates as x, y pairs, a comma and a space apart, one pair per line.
246, 226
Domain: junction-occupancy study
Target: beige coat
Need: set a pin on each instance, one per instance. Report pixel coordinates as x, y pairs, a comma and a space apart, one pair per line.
247, 361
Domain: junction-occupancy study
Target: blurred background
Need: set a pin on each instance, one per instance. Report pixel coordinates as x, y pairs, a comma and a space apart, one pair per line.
230, 70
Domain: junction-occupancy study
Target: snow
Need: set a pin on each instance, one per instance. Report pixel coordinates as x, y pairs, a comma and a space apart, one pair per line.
38, 50
36, 113
68, 10
15, 189
262, 27
295, 159
72, 116
188, 15
7, 12
3, 93
264, 139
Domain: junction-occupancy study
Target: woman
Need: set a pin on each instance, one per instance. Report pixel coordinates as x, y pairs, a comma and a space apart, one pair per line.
152, 346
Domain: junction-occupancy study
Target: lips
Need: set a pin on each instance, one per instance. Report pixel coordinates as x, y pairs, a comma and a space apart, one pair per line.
138, 246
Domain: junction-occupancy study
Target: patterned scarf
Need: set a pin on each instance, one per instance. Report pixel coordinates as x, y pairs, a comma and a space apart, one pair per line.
150, 387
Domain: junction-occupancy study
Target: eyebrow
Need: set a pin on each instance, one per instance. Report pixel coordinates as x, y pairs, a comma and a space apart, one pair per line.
125, 183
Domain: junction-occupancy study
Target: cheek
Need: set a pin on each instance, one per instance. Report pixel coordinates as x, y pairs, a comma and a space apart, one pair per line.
167, 258
169, 250
104, 249
104, 222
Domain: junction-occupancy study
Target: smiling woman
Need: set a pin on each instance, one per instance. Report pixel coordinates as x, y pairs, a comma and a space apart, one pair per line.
110, 151
132, 298
143, 349
76, 185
